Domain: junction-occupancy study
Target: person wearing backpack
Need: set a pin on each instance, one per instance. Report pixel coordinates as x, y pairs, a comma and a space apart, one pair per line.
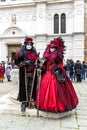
78, 70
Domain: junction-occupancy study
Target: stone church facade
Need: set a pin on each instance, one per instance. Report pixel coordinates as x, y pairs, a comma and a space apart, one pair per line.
85, 31
43, 20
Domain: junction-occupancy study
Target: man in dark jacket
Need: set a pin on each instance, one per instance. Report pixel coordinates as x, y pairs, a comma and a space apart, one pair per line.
25, 60
78, 70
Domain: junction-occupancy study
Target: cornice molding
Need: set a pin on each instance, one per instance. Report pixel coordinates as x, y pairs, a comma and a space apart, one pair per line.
58, 1
25, 4
10, 5
53, 1
57, 35
40, 1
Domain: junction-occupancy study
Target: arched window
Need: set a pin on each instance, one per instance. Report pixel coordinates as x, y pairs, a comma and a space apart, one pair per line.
63, 23
56, 23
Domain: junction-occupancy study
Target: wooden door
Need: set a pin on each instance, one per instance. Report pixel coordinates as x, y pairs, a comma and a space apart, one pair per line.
12, 50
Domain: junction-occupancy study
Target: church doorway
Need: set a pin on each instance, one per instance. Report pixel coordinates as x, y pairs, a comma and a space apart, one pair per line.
12, 48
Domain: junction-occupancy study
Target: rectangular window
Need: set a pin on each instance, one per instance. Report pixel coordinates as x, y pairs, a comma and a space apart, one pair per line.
56, 26
63, 23
63, 27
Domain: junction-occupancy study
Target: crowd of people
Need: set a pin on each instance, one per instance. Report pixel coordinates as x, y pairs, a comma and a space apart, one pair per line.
76, 71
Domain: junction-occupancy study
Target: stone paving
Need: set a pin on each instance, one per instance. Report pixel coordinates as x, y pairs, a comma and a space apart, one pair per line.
11, 117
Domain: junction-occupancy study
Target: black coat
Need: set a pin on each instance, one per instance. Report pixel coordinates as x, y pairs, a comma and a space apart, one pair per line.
21, 55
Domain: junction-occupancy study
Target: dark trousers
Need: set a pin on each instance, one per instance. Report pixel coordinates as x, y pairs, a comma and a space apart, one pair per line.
29, 87
78, 78
8, 77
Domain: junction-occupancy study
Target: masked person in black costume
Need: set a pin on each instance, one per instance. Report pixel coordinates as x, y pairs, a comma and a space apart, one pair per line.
25, 60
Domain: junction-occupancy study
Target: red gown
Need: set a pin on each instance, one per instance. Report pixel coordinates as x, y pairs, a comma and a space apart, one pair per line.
53, 95
56, 96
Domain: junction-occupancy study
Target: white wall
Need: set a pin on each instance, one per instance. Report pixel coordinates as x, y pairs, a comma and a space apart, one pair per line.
36, 20
79, 16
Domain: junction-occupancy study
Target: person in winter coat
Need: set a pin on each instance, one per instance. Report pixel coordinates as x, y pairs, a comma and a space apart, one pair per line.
83, 70
78, 70
8, 71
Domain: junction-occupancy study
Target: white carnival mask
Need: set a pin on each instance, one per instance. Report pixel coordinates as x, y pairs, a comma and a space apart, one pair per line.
52, 49
29, 46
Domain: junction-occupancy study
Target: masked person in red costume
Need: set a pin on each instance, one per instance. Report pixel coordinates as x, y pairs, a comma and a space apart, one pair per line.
1, 73
25, 60
56, 92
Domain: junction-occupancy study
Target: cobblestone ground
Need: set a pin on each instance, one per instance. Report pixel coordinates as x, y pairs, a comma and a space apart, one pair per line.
77, 121
15, 122
6, 87
18, 122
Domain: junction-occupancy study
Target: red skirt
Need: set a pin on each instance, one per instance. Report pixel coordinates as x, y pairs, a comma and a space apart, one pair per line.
55, 96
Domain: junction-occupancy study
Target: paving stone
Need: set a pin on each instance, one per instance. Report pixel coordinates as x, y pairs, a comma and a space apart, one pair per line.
82, 117
82, 122
82, 128
69, 122
11, 117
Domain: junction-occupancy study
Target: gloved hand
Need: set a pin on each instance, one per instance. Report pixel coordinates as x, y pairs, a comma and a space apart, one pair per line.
58, 71
22, 63
27, 62
37, 65
60, 77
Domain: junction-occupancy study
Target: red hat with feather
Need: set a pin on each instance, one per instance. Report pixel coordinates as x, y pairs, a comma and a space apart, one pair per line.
53, 43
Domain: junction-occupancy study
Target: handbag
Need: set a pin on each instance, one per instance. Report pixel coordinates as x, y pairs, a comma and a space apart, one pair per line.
61, 78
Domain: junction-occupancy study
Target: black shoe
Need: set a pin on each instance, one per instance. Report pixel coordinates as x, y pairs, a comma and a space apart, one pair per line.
27, 104
23, 107
9, 80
